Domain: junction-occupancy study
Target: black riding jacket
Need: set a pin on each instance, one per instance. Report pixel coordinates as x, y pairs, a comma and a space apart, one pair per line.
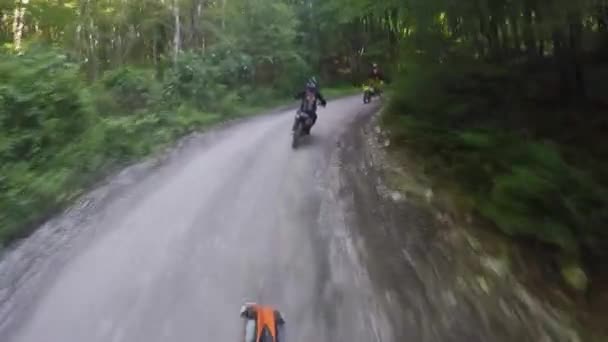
378, 75
310, 106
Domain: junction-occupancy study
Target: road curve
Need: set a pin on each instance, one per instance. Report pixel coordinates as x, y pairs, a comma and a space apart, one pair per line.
242, 217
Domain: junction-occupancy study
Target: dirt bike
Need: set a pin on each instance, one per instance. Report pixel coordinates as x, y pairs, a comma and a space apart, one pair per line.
303, 124
304, 119
262, 323
371, 89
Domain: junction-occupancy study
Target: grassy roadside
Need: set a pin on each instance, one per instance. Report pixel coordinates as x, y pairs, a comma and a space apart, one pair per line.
340, 91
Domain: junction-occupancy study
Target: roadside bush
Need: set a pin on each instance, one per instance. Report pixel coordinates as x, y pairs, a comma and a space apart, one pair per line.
44, 110
196, 81
130, 89
460, 94
222, 81
458, 122
43, 105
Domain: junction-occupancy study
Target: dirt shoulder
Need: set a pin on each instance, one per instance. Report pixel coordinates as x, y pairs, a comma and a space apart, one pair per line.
439, 280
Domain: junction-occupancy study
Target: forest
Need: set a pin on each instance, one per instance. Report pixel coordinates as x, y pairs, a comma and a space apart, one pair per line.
505, 99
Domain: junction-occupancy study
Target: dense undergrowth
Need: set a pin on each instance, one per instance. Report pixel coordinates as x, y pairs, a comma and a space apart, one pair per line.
59, 132
502, 134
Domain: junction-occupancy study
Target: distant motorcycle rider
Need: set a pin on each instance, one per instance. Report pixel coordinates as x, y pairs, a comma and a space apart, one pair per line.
376, 79
376, 74
309, 97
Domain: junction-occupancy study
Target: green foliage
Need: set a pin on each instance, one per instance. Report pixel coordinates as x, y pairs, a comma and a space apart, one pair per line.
267, 34
131, 89
199, 80
525, 186
506, 100
456, 92
42, 105
44, 109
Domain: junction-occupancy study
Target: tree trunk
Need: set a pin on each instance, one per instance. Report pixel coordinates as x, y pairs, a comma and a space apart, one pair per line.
93, 58
528, 32
576, 32
602, 17
176, 33
559, 49
493, 39
393, 33
18, 25
515, 33
199, 31
224, 14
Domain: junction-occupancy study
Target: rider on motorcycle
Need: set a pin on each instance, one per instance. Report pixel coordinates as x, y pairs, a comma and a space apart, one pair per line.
375, 74
376, 79
309, 96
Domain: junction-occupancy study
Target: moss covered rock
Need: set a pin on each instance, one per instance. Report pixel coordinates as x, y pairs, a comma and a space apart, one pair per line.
575, 277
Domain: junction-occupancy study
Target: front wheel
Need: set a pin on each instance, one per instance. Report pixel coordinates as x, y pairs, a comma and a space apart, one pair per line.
296, 135
366, 97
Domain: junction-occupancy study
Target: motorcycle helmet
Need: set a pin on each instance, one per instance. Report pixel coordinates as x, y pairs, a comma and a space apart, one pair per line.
311, 86
312, 82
